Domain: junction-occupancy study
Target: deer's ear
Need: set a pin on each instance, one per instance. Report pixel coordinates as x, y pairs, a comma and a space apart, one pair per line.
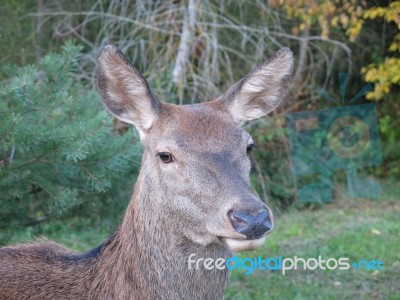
124, 91
262, 90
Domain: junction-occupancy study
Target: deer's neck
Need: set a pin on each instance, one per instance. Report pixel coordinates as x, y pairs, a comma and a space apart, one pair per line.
149, 260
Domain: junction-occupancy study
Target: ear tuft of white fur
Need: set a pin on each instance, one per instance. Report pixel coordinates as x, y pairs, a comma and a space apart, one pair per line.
262, 90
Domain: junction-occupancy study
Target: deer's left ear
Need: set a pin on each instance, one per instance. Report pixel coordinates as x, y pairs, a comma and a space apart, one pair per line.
262, 90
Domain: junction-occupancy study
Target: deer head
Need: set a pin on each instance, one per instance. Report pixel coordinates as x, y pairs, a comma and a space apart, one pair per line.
194, 181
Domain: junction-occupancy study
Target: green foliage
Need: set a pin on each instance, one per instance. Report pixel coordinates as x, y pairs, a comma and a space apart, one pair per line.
389, 124
16, 31
272, 175
57, 146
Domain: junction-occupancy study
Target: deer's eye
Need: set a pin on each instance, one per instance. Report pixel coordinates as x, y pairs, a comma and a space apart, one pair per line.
166, 157
250, 147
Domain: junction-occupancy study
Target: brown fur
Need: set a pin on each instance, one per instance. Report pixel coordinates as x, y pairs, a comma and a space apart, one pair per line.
176, 209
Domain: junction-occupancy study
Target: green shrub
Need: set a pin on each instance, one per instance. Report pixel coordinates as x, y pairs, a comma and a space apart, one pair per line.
58, 148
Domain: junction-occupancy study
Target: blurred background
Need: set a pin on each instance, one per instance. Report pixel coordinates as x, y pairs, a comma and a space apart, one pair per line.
67, 167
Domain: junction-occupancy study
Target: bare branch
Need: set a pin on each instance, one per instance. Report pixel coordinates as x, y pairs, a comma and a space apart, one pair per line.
185, 44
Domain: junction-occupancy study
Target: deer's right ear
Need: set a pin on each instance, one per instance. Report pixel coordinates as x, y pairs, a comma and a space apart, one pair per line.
125, 92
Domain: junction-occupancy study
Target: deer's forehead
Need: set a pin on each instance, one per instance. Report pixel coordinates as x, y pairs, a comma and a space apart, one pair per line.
199, 126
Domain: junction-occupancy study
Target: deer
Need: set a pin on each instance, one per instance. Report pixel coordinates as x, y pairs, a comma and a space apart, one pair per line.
192, 195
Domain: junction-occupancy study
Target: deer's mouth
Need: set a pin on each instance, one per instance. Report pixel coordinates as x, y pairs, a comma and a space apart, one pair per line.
237, 245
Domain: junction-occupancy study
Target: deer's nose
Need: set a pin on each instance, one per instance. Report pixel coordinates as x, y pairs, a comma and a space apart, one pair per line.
253, 226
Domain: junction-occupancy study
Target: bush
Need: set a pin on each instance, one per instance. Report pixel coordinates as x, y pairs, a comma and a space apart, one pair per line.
58, 149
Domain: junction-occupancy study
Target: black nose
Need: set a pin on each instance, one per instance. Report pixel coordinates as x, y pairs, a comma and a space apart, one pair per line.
252, 226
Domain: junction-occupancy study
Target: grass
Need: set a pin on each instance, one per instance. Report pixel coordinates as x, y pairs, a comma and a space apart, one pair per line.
357, 229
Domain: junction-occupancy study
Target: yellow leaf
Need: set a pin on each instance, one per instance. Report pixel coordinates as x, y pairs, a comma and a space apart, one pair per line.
334, 21
344, 20
393, 47
370, 96
371, 13
375, 231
